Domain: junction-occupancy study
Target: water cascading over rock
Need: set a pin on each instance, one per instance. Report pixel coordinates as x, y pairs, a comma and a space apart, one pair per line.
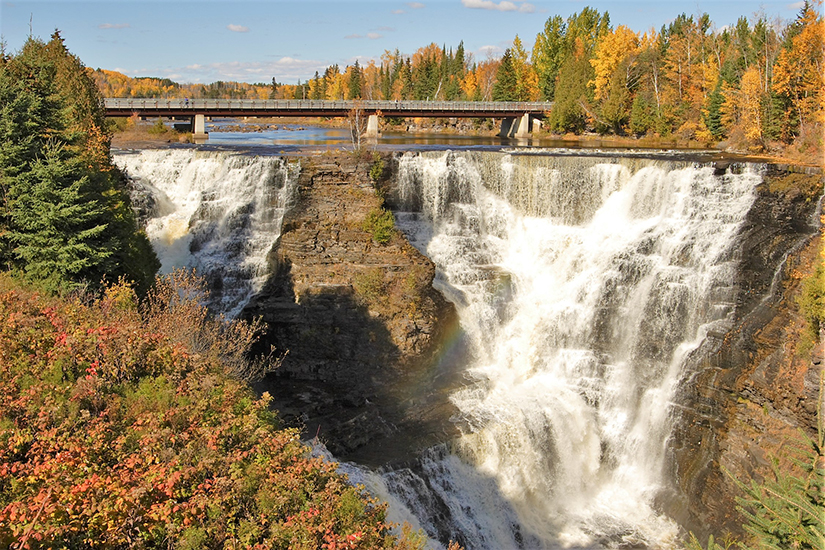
583, 286
217, 213
591, 290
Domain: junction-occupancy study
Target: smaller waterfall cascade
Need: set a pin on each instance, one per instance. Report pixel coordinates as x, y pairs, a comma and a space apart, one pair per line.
583, 285
217, 213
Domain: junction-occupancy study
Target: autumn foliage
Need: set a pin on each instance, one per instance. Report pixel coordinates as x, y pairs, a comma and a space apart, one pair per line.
121, 426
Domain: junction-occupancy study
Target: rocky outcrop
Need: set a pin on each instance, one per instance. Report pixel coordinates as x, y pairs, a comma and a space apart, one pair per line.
755, 388
360, 319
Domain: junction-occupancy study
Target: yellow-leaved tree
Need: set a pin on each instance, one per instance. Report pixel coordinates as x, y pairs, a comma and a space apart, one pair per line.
611, 51
798, 72
527, 81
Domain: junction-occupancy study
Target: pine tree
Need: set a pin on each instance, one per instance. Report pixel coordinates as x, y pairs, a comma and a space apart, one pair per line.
354, 82
787, 511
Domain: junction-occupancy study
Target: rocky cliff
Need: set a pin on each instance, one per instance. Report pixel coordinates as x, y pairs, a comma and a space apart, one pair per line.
756, 388
360, 319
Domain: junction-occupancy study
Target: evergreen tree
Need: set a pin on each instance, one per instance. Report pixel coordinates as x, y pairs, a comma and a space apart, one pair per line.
66, 214
59, 227
354, 82
504, 88
548, 54
713, 118
568, 114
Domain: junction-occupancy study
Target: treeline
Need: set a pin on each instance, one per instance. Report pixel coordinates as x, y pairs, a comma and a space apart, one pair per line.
115, 84
755, 82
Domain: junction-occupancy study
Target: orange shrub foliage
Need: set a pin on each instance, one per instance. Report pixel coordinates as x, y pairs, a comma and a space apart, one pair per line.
116, 432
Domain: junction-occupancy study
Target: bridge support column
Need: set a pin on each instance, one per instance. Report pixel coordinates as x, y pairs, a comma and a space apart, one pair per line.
508, 127
523, 127
199, 127
372, 127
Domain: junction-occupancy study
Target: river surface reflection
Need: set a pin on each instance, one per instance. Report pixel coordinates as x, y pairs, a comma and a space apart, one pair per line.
290, 138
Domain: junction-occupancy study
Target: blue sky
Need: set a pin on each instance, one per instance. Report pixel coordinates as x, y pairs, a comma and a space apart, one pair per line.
254, 41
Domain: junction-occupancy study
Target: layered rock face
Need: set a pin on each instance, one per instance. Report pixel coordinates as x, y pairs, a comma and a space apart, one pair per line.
360, 319
757, 389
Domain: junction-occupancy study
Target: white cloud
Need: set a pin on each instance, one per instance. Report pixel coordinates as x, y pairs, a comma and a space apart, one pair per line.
504, 5
398, 12
796, 6
489, 51
374, 35
415, 5
237, 28
286, 69
353, 36
114, 26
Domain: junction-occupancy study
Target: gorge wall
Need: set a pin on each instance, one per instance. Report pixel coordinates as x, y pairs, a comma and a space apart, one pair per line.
360, 319
759, 384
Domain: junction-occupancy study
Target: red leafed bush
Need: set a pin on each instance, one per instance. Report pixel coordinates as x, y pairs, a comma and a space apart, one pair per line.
126, 425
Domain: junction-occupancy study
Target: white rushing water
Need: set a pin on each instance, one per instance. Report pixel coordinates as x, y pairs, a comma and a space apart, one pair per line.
583, 285
217, 213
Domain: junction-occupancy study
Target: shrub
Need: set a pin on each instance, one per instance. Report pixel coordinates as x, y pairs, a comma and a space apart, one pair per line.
370, 284
158, 127
377, 168
380, 224
120, 430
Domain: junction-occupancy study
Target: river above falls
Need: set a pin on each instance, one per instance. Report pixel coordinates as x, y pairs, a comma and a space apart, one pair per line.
277, 138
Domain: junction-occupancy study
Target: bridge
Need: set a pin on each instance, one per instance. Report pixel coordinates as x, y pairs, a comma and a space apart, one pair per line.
516, 116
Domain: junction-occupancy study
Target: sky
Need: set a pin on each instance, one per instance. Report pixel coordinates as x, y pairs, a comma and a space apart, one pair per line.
204, 41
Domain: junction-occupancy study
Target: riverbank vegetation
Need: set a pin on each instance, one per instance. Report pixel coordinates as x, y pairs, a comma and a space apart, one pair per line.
127, 423
755, 86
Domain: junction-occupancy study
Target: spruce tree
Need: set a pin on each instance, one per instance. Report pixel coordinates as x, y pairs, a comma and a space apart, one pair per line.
66, 216
58, 225
504, 88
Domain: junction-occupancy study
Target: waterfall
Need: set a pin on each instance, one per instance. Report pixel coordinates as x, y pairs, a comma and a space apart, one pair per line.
583, 285
217, 213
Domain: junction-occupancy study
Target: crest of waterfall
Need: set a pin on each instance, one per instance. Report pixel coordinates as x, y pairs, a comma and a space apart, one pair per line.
217, 213
583, 285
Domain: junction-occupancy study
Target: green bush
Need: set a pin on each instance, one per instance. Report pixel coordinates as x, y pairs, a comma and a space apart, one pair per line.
377, 168
158, 127
380, 224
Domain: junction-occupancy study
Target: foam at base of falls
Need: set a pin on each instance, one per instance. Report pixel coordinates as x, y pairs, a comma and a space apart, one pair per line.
583, 285
216, 213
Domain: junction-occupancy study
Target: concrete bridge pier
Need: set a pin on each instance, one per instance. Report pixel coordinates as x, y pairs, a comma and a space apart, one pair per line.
518, 127
372, 127
199, 127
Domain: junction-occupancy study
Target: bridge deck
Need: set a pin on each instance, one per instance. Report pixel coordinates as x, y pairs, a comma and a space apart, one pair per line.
117, 107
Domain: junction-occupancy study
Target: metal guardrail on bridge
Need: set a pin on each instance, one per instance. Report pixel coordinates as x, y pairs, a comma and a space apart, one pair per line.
313, 107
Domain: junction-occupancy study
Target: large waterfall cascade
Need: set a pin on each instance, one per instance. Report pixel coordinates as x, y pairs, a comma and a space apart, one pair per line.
582, 285
217, 213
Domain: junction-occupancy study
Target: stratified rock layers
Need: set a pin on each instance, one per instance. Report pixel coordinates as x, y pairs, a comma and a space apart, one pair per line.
361, 321
756, 389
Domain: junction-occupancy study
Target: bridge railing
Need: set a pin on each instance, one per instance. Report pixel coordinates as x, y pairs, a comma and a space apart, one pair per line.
205, 105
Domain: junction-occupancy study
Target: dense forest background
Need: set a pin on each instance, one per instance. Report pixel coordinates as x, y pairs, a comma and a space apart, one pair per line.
758, 84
